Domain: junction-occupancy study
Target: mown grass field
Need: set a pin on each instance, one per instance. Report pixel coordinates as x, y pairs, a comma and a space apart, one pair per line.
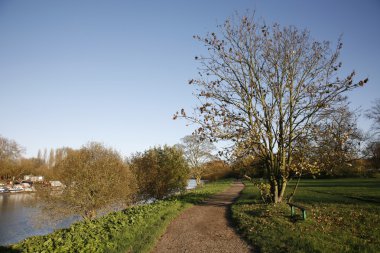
135, 229
343, 215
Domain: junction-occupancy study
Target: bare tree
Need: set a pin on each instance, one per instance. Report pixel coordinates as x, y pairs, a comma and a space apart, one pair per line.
61, 153
51, 158
261, 87
45, 156
10, 149
373, 148
374, 114
10, 154
198, 152
39, 155
336, 140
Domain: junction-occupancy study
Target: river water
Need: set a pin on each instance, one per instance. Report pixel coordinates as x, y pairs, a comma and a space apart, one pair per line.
18, 221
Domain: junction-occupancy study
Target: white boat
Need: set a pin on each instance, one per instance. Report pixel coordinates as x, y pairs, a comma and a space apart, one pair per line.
15, 189
3, 189
30, 189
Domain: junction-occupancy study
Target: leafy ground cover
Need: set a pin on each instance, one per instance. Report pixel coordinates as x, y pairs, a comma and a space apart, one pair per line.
343, 215
135, 229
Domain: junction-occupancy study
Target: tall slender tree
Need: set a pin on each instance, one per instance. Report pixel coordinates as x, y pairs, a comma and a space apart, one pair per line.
45, 157
39, 155
51, 158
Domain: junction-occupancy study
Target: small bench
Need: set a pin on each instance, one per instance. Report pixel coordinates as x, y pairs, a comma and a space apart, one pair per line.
292, 212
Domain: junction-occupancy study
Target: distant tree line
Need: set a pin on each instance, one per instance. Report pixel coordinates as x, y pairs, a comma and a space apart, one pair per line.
97, 179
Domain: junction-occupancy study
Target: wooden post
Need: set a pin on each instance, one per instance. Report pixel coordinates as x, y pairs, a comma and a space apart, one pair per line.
304, 214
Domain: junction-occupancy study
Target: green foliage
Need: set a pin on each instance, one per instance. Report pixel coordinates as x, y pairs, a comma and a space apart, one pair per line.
160, 171
342, 217
264, 189
135, 229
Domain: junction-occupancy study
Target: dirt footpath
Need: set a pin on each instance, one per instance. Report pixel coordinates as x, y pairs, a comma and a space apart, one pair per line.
204, 228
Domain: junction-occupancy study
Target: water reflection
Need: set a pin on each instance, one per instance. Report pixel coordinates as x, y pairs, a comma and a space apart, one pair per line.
18, 220
15, 218
191, 184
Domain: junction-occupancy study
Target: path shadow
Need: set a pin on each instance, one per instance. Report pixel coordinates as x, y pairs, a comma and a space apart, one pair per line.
232, 224
221, 200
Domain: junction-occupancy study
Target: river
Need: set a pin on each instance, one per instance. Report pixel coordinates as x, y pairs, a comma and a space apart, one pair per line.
17, 221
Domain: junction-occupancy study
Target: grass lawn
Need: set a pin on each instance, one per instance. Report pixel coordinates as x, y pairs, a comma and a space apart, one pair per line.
343, 215
135, 229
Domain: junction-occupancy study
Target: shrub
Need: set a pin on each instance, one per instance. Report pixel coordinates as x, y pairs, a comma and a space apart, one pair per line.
160, 171
250, 166
95, 179
216, 170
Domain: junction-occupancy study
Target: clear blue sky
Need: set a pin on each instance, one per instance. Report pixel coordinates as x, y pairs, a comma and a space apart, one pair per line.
116, 71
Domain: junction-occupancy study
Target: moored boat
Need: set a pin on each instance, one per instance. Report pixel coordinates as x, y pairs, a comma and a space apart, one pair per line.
15, 189
3, 189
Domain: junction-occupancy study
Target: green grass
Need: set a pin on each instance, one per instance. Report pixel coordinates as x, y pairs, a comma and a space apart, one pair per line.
135, 229
343, 215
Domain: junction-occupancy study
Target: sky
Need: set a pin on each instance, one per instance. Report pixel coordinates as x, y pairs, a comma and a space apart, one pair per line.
115, 72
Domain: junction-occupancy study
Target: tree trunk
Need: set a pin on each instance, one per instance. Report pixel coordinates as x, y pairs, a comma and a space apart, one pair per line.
278, 190
282, 190
274, 191
198, 180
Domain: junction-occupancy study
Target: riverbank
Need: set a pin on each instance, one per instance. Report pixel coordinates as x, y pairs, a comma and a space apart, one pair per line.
21, 217
16, 187
135, 229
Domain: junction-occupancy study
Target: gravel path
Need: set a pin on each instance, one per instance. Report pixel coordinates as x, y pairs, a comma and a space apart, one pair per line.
204, 228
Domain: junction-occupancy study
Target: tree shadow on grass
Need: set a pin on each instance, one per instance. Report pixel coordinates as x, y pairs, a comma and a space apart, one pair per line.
193, 197
346, 184
4, 249
232, 223
295, 218
317, 197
